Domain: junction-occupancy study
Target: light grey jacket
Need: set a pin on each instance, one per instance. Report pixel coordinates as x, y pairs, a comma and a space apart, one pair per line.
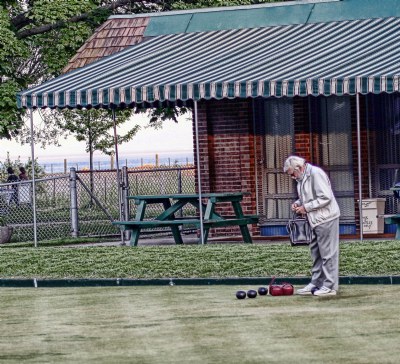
316, 195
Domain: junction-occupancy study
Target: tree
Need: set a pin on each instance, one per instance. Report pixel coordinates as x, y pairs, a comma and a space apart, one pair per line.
94, 127
37, 38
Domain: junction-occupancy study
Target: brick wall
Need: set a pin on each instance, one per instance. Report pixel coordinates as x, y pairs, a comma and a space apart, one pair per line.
226, 145
302, 137
231, 152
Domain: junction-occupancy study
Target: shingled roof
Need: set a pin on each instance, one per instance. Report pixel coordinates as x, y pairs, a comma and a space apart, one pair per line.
111, 37
121, 31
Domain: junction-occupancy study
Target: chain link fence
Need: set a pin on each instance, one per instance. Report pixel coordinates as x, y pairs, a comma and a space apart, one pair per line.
160, 182
84, 203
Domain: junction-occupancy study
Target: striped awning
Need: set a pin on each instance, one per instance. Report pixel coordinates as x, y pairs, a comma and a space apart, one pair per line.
334, 58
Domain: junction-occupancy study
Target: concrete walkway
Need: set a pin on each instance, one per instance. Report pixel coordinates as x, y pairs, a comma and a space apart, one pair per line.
188, 239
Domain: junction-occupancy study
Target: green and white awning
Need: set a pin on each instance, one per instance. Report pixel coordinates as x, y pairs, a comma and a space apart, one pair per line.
335, 58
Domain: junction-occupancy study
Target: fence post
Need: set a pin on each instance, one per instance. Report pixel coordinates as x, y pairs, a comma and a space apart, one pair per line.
74, 204
179, 180
125, 201
180, 187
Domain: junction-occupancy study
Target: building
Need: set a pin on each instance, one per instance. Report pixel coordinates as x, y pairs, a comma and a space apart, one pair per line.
316, 78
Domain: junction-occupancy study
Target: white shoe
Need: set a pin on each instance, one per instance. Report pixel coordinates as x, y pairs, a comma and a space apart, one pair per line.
307, 290
325, 291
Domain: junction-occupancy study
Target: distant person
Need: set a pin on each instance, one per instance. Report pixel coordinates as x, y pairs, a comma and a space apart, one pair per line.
13, 178
317, 202
22, 176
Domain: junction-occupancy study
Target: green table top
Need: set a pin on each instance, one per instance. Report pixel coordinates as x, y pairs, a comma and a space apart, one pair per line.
187, 196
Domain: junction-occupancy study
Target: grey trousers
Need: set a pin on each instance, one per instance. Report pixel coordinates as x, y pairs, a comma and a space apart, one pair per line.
325, 255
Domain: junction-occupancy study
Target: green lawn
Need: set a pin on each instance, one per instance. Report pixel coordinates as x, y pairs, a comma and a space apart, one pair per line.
193, 261
192, 324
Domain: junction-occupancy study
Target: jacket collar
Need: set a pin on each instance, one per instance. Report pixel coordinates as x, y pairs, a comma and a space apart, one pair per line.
307, 173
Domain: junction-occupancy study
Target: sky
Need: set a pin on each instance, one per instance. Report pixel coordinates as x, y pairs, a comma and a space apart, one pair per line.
173, 138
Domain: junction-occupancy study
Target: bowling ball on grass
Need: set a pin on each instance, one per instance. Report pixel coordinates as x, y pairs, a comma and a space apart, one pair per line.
240, 295
262, 291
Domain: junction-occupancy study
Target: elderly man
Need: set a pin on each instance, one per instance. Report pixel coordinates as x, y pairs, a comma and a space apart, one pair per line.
316, 200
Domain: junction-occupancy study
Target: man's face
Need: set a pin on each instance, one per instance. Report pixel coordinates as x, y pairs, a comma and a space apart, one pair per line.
296, 173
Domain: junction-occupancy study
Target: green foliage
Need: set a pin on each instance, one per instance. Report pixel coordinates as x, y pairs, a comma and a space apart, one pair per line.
94, 127
10, 117
37, 39
158, 115
11, 50
50, 11
193, 4
188, 261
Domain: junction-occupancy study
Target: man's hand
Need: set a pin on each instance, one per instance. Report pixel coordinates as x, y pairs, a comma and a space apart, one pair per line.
300, 210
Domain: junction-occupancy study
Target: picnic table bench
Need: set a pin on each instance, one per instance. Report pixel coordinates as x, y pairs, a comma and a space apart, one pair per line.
167, 218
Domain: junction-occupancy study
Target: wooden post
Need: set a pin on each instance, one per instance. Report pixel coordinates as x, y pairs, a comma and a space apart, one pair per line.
112, 162
65, 166
156, 160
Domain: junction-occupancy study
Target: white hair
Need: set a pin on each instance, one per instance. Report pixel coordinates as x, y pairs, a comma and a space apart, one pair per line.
293, 162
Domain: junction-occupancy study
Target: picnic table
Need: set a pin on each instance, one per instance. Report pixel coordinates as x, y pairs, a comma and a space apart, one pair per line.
172, 203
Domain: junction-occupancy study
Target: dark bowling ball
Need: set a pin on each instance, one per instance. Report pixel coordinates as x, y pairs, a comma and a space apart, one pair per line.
262, 291
240, 295
251, 293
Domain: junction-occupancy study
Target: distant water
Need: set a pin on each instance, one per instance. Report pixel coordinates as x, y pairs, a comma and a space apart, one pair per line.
79, 164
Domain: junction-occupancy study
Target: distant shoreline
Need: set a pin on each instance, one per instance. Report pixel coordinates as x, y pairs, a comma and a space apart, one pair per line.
82, 156
56, 165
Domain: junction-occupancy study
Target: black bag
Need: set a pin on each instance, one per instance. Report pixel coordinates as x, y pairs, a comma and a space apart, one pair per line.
396, 193
299, 229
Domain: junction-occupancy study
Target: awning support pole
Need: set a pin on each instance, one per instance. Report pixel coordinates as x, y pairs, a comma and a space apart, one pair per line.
255, 153
119, 182
359, 166
198, 172
33, 192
